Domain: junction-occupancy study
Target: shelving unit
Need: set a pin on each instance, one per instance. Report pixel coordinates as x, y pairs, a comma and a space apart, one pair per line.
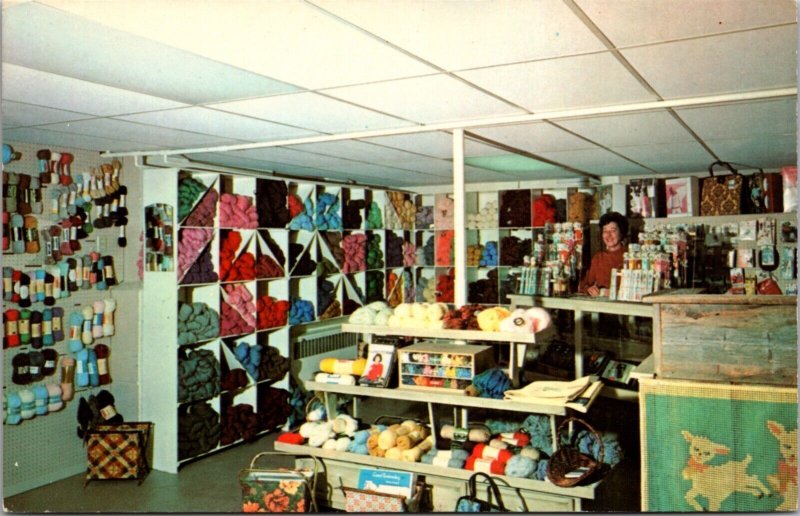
447, 483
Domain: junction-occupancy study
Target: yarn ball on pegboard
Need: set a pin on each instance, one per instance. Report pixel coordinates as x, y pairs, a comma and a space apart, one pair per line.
445, 287
374, 218
394, 249
300, 262
424, 217
374, 280
484, 290
513, 250
198, 375
543, 210
272, 203
352, 213
198, 429
515, 208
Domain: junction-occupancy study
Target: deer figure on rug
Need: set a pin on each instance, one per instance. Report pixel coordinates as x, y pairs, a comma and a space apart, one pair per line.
784, 481
716, 482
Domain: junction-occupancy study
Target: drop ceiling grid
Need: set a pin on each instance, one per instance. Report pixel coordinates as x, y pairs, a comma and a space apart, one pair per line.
219, 123
35, 87
742, 119
35, 135
18, 114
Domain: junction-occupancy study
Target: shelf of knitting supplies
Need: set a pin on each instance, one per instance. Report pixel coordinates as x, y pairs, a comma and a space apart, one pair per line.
375, 286
237, 255
585, 491
272, 304
328, 210
354, 208
483, 285
425, 285
191, 243
425, 243
236, 207
302, 253
399, 210
399, 286
303, 299
270, 253
241, 352
237, 308
353, 288
375, 256
199, 371
275, 343
444, 284
513, 246
301, 206
198, 197
443, 247
376, 201
423, 219
198, 314
205, 268
329, 296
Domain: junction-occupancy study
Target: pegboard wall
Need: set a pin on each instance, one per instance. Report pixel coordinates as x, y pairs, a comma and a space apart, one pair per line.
46, 448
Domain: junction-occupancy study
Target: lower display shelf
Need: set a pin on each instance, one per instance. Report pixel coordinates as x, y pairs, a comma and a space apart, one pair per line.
438, 397
587, 492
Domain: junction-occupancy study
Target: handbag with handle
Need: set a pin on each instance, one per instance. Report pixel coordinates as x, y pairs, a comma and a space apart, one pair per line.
278, 490
722, 195
473, 503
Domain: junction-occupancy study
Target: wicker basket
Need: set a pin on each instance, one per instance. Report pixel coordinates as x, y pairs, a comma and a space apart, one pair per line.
568, 466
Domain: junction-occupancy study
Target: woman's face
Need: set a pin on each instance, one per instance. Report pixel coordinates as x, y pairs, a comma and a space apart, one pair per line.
612, 237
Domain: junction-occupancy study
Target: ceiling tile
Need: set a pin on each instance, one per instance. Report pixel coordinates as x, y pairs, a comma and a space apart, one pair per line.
669, 158
16, 114
538, 175
596, 161
44, 38
292, 157
742, 119
436, 98
535, 137
566, 83
622, 20
358, 151
758, 151
402, 176
22, 84
218, 123
312, 111
629, 129
139, 133
436, 144
744, 61
458, 35
71, 140
286, 40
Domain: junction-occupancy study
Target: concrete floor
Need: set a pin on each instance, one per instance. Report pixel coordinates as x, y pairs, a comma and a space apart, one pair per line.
210, 485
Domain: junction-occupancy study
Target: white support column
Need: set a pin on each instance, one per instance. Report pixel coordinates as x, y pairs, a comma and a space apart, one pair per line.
459, 219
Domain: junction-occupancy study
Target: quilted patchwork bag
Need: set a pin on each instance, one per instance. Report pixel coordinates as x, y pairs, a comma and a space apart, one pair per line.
722, 195
365, 500
118, 452
278, 490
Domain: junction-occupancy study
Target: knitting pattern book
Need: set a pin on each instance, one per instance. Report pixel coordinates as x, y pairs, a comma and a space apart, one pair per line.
387, 481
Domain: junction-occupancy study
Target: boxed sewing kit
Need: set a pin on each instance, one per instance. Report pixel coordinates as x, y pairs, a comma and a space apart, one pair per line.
442, 367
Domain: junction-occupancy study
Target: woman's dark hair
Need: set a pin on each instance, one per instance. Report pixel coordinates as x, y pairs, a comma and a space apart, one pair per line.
614, 216
377, 356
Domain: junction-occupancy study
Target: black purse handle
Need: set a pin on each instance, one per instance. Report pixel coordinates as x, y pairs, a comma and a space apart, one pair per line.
494, 490
722, 164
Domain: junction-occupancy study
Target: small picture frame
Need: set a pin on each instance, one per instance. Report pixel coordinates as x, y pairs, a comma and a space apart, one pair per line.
380, 363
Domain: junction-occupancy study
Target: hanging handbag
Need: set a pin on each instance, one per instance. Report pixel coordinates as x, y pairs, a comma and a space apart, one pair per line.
473, 503
722, 195
278, 490
568, 466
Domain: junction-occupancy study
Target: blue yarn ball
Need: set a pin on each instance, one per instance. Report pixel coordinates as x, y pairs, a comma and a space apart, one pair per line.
520, 467
541, 470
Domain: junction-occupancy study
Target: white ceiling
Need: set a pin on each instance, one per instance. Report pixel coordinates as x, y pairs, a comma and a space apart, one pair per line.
156, 75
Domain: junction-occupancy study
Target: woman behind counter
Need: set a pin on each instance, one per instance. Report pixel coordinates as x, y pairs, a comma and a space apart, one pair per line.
614, 229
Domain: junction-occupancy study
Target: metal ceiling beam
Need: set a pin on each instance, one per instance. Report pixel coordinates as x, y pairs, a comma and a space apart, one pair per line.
484, 122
